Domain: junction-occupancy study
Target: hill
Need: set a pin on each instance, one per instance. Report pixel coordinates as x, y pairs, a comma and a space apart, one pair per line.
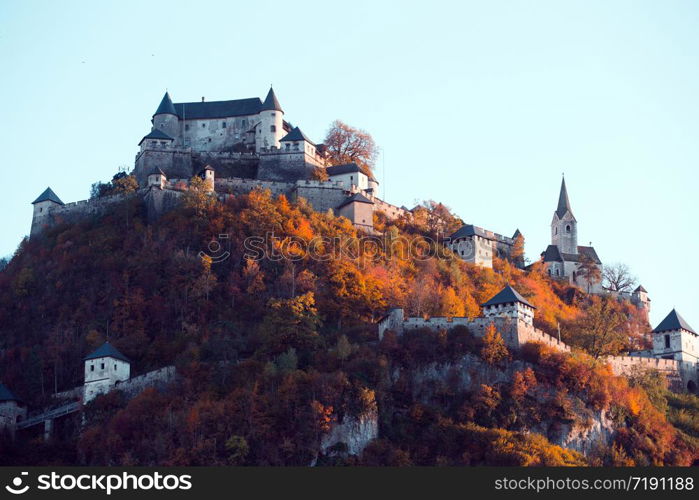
274, 353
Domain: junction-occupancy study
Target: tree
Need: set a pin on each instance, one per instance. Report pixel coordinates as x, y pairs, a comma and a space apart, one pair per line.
346, 144
589, 271
618, 278
600, 331
494, 349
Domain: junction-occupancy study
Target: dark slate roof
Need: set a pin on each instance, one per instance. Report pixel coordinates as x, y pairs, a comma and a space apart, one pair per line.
107, 350
673, 321
552, 254
6, 394
158, 135
157, 171
357, 197
640, 288
348, 168
507, 295
296, 135
563, 201
218, 109
48, 195
517, 234
166, 106
589, 252
271, 103
468, 230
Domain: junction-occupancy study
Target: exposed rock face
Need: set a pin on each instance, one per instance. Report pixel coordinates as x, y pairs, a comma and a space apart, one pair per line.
352, 435
469, 372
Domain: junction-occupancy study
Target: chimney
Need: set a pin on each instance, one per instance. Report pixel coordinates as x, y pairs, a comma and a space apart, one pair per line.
202, 98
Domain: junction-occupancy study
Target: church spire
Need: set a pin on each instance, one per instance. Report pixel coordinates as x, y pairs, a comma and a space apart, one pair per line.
271, 102
563, 201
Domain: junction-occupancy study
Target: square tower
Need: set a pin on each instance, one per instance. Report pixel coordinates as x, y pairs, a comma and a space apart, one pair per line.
104, 368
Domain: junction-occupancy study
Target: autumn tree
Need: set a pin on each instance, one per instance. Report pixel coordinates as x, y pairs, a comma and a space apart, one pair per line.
600, 331
494, 349
346, 144
589, 271
122, 183
618, 278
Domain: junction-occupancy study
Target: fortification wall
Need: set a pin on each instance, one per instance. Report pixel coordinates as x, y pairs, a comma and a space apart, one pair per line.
236, 185
280, 168
69, 212
321, 195
156, 378
516, 333
175, 163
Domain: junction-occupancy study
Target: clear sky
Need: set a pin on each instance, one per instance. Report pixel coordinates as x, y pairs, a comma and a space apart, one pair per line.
478, 104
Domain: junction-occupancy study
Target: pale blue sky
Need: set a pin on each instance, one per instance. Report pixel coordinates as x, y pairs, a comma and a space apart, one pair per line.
480, 105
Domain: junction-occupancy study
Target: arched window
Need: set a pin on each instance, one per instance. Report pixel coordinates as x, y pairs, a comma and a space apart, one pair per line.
568, 228
555, 230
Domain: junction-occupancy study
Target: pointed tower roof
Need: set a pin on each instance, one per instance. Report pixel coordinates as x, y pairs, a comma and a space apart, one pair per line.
640, 288
271, 102
166, 106
48, 195
156, 134
673, 321
296, 135
507, 295
517, 234
6, 394
107, 350
563, 201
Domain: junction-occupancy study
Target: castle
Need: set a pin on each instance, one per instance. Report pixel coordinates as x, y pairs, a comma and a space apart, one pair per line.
235, 146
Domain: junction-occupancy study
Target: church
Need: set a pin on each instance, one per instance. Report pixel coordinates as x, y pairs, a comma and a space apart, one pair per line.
564, 258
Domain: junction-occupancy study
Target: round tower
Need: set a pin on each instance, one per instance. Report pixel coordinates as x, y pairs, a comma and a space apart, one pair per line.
271, 126
165, 118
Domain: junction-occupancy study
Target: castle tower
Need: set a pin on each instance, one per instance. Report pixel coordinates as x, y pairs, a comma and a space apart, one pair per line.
271, 123
104, 368
673, 338
12, 410
508, 303
47, 201
639, 297
209, 177
564, 227
165, 118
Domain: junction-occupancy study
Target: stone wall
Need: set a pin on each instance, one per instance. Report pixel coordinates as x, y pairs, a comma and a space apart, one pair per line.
156, 378
516, 333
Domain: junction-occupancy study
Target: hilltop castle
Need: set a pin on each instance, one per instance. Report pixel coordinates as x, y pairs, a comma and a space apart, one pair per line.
235, 146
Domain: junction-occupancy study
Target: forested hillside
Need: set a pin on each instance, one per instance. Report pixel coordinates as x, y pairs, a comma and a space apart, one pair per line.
274, 351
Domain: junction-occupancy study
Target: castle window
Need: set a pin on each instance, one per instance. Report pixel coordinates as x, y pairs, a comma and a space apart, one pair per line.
555, 231
223, 124
567, 229
102, 366
667, 341
288, 146
115, 368
203, 125
243, 123
186, 127
92, 368
272, 128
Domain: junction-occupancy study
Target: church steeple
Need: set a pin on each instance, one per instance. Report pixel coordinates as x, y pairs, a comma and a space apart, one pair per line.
564, 227
563, 201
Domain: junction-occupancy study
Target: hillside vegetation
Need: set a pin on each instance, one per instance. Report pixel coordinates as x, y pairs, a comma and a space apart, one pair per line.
274, 351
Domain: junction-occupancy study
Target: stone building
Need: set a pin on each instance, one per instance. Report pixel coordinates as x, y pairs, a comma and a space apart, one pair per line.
478, 246
104, 368
564, 258
12, 409
509, 304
